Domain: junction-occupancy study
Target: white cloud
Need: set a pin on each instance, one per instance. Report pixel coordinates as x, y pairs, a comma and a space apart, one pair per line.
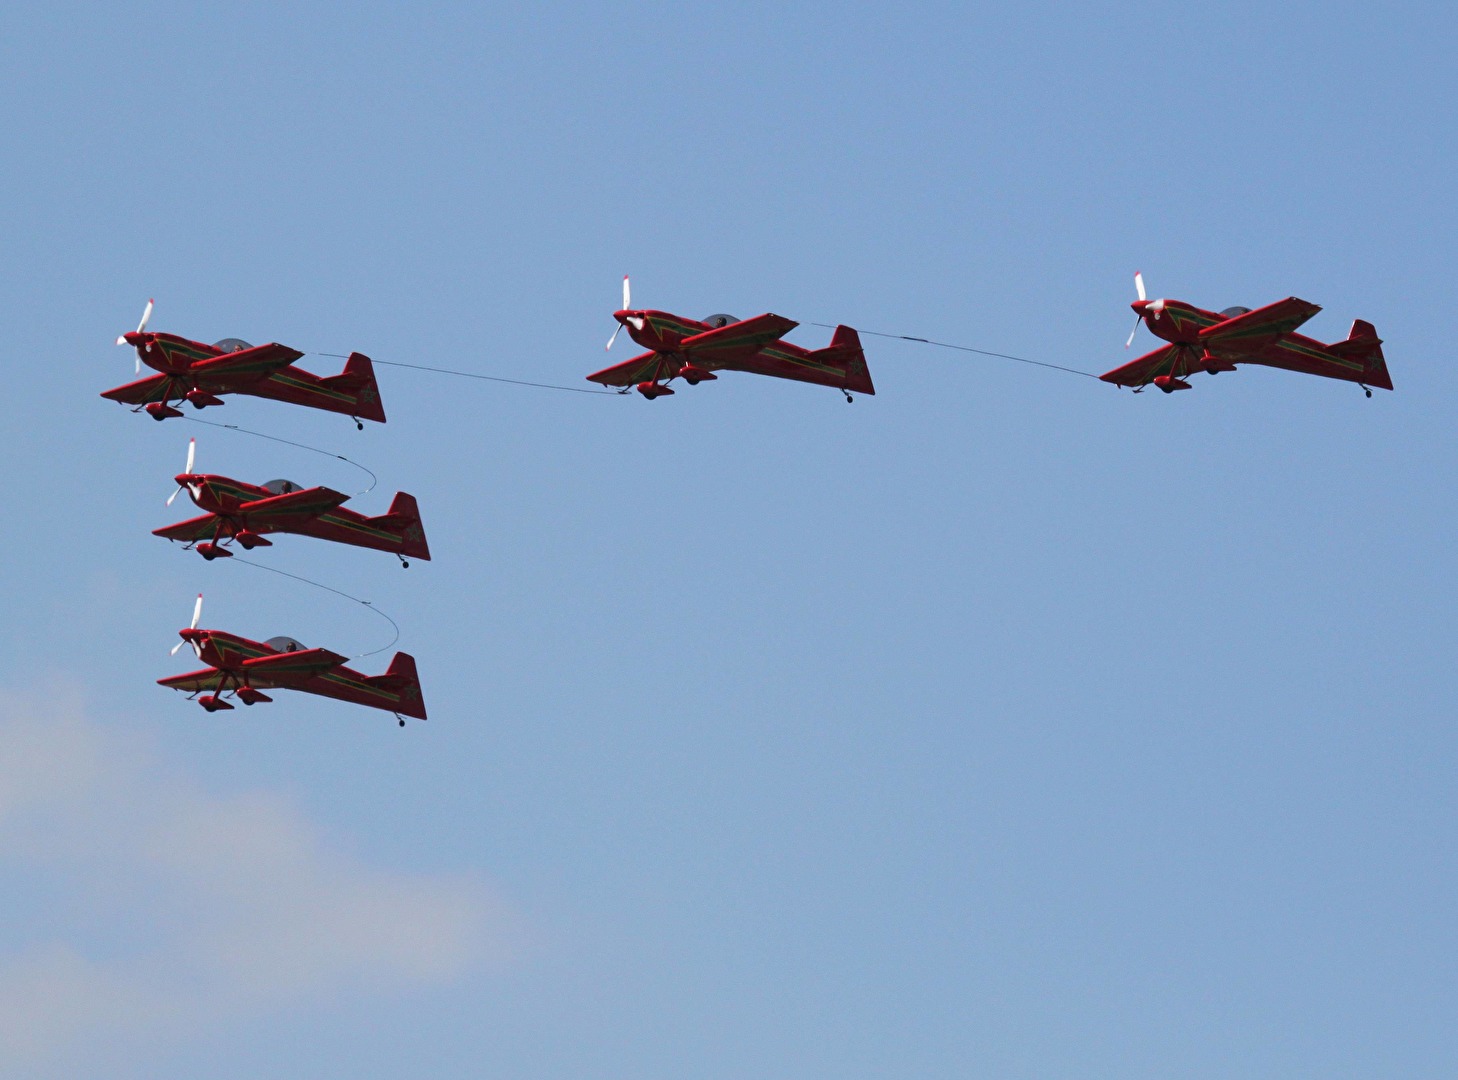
169, 908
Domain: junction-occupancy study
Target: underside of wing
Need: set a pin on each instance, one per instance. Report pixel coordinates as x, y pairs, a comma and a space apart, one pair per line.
737, 341
246, 366
206, 679
198, 528
1250, 333
282, 511
646, 367
141, 392
1142, 371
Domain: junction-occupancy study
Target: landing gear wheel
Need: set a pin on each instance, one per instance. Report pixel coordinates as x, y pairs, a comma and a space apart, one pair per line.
402, 723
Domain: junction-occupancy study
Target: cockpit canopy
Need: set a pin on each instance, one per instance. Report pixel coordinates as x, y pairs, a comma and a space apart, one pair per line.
284, 644
282, 487
232, 344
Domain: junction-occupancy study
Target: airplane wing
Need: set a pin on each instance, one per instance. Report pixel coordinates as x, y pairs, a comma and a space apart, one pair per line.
198, 528
1253, 331
246, 366
642, 368
141, 392
737, 341
1140, 372
281, 511
206, 679
290, 669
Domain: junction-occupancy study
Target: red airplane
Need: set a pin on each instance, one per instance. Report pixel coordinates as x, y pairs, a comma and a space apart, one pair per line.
1214, 342
243, 512
192, 371
247, 668
693, 351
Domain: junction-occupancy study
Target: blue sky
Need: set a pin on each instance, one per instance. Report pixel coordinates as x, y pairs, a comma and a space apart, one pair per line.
1002, 724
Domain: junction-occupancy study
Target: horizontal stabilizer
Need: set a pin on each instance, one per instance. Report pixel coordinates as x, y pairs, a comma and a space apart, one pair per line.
358, 379
402, 680
1363, 344
845, 351
404, 517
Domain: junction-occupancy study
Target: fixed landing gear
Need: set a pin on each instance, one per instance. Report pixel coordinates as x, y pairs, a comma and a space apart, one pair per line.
651, 390
358, 423
404, 562
1366, 390
848, 398
211, 551
160, 410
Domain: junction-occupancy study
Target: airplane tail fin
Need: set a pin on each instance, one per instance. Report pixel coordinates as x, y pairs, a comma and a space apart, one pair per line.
358, 378
845, 351
404, 516
1363, 344
402, 681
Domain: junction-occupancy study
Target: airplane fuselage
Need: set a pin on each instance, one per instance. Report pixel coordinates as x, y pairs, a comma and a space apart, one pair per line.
1174, 320
659, 331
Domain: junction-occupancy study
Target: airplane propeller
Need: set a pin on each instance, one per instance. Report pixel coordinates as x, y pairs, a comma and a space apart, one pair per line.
196, 615
191, 455
1138, 316
627, 299
146, 314
635, 322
